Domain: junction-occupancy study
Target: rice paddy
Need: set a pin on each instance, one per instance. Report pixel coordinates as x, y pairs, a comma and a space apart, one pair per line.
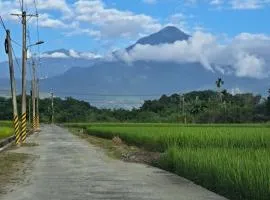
233, 160
6, 129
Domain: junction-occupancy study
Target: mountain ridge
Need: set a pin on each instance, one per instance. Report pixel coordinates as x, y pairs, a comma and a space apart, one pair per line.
169, 35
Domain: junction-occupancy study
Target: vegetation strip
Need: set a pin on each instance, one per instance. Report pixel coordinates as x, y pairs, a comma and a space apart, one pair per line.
233, 161
116, 148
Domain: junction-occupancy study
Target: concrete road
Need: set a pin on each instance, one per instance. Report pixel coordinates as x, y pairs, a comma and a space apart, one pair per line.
69, 168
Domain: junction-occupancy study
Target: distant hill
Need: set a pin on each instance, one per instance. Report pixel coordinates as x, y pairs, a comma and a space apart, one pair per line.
169, 34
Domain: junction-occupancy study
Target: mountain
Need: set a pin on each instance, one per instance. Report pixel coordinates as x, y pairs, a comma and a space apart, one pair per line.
53, 63
117, 83
169, 34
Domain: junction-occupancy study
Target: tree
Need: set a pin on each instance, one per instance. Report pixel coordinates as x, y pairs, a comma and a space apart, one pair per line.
268, 103
219, 84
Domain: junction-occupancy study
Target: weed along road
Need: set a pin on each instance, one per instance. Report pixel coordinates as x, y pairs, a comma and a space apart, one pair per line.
69, 168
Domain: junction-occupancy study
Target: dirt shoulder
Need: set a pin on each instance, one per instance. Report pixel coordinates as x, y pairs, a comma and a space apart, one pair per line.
116, 148
13, 167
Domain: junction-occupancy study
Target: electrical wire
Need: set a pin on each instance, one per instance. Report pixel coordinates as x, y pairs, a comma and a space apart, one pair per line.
17, 62
2, 23
21, 5
109, 95
17, 43
29, 49
4, 26
38, 39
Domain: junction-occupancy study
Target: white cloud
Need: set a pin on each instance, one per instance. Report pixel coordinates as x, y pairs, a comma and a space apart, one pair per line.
59, 5
248, 65
234, 4
112, 22
235, 91
83, 55
246, 55
46, 21
90, 55
150, 1
72, 54
54, 55
216, 2
246, 4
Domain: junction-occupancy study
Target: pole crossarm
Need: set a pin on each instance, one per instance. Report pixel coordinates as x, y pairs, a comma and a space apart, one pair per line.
27, 15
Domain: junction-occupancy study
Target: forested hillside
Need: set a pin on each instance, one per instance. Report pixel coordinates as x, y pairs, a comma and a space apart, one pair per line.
196, 107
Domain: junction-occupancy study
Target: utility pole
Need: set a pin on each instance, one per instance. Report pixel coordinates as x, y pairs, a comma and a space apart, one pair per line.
29, 107
37, 101
23, 15
24, 54
52, 108
179, 108
184, 111
34, 95
8, 49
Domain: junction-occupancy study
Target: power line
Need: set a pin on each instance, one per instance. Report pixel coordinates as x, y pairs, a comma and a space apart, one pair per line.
109, 95
37, 30
3, 24
29, 50
21, 5
16, 59
35, 4
17, 43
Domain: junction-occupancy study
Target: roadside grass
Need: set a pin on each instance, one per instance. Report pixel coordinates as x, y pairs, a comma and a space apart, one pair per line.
231, 160
5, 132
5, 123
6, 129
10, 165
117, 150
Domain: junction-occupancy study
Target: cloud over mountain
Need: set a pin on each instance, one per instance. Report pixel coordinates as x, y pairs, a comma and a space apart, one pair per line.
246, 55
62, 53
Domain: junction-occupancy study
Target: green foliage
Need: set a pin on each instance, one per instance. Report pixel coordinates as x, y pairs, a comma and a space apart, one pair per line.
237, 173
194, 107
230, 159
6, 129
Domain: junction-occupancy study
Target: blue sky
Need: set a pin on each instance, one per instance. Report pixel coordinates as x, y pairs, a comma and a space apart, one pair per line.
216, 17
101, 26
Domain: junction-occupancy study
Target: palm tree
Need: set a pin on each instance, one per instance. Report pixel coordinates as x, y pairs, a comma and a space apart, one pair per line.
219, 83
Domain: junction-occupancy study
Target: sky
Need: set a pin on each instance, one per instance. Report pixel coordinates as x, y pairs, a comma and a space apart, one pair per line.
238, 29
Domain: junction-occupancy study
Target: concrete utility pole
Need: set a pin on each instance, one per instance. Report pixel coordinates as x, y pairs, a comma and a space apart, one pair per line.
37, 101
183, 110
24, 54
23, 15
8, 49
34, 95
29, 107
52, 108
179, 109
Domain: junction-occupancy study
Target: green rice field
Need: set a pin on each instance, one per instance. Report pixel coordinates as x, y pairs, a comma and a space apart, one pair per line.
232, 160
6, 129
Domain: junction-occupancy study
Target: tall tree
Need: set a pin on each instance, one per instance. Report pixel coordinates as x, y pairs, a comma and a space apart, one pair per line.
268, 103
219, 84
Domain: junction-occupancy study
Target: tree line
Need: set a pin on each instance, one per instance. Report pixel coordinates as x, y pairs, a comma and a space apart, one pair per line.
193, 107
